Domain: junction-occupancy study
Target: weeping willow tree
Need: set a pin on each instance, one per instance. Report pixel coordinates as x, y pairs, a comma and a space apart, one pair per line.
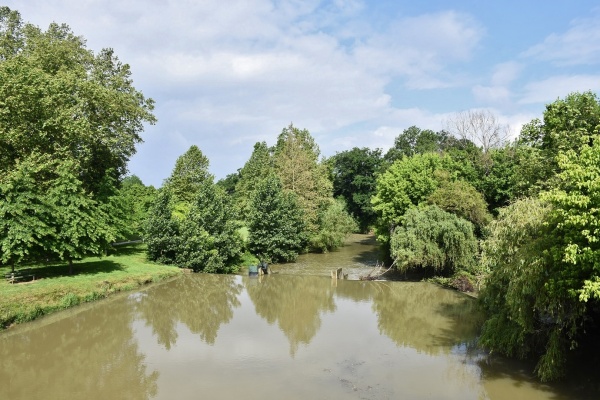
430, 237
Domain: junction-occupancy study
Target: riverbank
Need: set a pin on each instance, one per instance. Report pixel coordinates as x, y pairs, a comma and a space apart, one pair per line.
93, 278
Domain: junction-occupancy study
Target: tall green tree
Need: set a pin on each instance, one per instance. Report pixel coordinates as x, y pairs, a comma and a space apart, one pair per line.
296, 160
209, 239
567, 124
161, 230
276, 223
257, 168
354, 179
60, 97
188, 176
69, 122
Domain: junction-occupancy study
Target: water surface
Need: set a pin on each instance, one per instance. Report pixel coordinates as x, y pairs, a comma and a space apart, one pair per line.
279, 336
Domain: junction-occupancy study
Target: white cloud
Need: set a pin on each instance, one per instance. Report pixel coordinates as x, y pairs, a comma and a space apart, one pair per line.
548, 90
578, 45
506, 73
420, 48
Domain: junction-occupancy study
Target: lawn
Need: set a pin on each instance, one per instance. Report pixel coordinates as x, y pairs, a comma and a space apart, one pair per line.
93, 278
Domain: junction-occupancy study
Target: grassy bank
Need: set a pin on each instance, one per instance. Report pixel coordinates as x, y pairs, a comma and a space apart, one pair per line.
93, 278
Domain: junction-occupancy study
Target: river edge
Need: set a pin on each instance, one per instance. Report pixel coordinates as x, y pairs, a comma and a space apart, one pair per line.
94, 279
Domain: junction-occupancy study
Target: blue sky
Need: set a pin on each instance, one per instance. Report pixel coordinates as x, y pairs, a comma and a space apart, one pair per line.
226, 74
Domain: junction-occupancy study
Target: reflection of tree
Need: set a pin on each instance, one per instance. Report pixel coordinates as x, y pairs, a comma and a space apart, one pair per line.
89, 355
425, 317
200, 301
294, 302
356, 290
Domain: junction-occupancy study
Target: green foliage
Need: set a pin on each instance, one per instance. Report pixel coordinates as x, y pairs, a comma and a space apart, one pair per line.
414, 140
335, 224
209, 239
568, 124
432, 238
161, 231
276, 223
47, 214
58, 97
405, 184
25, 212
522, 314
354, 179
296, 161
192, 222
190, 173
136, 200
229, 183
576, 201
69, 122
544, 258
463, 200
257, 168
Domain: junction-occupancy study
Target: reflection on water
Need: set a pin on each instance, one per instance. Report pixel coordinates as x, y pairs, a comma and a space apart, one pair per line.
201, 304
88, 354
279, 336
431, 320
294, 304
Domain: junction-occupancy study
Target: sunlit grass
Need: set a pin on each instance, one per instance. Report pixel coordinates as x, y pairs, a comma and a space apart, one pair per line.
93, 278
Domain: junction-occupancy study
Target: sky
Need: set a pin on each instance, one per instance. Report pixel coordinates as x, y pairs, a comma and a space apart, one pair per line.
226, 74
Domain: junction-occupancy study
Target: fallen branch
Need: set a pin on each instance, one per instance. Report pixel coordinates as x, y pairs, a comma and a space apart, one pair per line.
376, 273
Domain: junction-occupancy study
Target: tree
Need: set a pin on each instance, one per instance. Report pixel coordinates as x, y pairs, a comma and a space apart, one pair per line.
567, 124
414, 140
543, 294
335, 224
161, 230
354, 179
296, 160
209, 240
463, 200
257, 168
480, 127
405, 184
69, 122
61, 98
188, 176
432, 238
276, 223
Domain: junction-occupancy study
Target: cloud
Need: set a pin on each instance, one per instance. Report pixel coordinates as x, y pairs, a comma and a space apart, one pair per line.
420, 48
578, 45
548, 90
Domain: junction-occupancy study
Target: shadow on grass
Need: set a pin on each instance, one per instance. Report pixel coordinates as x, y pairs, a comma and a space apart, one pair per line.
79, 268
129, 249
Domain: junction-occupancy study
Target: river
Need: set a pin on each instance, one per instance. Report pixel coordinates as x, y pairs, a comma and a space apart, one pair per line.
295, 334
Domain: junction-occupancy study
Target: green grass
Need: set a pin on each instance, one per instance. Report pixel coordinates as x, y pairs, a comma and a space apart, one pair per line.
93, 278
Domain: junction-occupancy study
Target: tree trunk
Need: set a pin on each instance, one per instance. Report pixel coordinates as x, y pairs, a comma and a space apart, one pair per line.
70, 266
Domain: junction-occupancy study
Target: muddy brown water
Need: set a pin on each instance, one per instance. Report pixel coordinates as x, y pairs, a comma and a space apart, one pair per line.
295, 334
